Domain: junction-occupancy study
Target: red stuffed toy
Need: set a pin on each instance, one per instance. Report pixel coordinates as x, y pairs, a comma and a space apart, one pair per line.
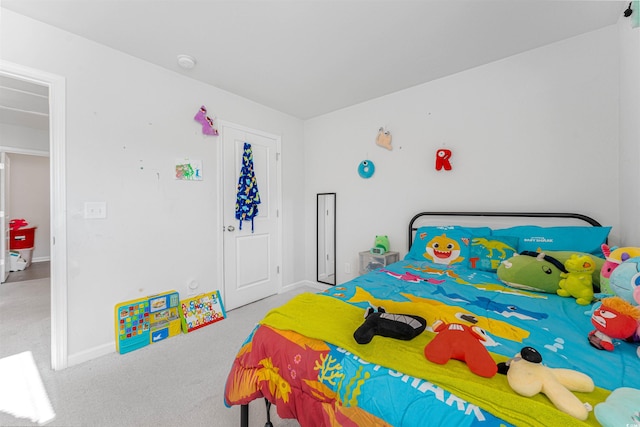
615, 318
16, 224
461, 342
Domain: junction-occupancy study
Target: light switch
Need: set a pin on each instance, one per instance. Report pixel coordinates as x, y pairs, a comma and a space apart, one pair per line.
95, 210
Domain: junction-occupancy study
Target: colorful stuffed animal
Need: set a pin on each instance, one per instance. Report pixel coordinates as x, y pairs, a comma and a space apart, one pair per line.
624, 279
577, 282
614, 318
206, 122
613, 258
384, 139
380, 245
620, 409
16, 224
398, 326
540, 271
531, 271
461, 342
527, 376
443, 250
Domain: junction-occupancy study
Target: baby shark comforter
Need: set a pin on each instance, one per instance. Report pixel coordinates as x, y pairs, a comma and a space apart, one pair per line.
303, 357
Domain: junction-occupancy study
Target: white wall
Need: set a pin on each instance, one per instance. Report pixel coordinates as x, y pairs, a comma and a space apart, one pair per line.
29, 198
534, 132
127, 123
629, 172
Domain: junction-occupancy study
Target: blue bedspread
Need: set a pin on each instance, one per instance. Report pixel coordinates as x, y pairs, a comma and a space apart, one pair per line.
557, 327
321, 376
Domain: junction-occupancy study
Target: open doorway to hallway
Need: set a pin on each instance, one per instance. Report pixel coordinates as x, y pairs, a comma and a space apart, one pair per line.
21, 80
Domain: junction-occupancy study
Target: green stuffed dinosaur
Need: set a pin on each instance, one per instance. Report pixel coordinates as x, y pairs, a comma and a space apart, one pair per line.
540, 271
577, 282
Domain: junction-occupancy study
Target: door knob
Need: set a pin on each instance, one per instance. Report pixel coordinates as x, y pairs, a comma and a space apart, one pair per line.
231, 228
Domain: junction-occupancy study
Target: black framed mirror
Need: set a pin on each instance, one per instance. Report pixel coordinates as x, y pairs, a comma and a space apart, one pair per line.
326, 238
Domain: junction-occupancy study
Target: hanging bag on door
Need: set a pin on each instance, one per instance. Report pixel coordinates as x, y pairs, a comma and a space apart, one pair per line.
248, 197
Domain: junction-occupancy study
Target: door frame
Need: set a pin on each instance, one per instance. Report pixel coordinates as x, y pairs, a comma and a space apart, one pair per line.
278, 201
57, 191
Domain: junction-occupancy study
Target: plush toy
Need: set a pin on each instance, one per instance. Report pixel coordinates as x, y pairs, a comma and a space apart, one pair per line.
399, 326
461, 342
442, 159
206, 122
532, 271
615, 318
624, 279
16, 224
620, 409
384, 139
380, 245
527, 376
577, 282
613, 258
443, 250
540, 271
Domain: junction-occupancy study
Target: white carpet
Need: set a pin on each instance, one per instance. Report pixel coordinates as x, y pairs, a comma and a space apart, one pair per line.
22, 393
176, 382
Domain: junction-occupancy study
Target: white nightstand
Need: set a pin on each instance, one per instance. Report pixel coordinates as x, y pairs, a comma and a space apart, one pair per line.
369, 262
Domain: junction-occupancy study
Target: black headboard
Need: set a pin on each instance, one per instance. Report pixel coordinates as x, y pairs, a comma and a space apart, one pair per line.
575, 216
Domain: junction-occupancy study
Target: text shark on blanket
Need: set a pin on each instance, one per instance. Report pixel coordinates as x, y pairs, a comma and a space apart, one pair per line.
505, 310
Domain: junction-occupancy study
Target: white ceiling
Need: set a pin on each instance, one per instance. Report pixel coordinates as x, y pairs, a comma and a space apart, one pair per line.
310, 57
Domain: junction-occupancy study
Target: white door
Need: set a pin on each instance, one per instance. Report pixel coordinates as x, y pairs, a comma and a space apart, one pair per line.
251, 258
4, 217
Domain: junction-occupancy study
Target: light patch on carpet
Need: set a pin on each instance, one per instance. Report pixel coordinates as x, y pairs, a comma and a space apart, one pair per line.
22, 393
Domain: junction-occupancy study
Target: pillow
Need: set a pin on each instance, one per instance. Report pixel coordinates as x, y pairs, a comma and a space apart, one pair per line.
569, 238
446, 245
487, 252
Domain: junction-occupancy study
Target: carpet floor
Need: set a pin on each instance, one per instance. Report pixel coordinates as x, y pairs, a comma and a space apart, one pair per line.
179, 381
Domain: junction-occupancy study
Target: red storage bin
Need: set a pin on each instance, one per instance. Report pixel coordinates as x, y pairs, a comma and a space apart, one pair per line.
22, 238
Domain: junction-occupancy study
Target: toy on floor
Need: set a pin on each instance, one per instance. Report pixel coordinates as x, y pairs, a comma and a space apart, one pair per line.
201, 310
145, 321
613, 258
398, 326
621, 408
614, 318
527, 376
578, 281
461, 342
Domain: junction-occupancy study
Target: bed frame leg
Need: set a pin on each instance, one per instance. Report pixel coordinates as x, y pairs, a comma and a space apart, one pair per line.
244, 415
268, 404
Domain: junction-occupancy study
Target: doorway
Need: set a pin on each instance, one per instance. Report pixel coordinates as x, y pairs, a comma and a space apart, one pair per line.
58, 244
25, 197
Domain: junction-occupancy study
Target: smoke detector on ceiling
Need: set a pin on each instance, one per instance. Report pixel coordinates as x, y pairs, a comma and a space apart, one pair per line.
186, 61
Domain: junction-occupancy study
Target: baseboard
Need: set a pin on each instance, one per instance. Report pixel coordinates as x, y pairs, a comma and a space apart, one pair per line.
310, 283
103, 350
90, 354
41, 259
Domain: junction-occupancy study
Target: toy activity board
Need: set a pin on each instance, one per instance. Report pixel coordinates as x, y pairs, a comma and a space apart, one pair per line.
132, 325
201, 310
142, 321
164, 316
